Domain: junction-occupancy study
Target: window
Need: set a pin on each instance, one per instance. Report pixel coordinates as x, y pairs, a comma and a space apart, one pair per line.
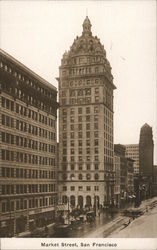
79, 134
64, 188
88, 166
80, 126
96, 98
96, 90
96, 176
72, 167
87, 110
87, 150
88, 134
88, 176
80, 118
95, 109
80, 166
87, 126
88, 188
88, 118
80, 176
96, 142
96, 166
80, 188
72, 111
72, 188
79, 110
96, 188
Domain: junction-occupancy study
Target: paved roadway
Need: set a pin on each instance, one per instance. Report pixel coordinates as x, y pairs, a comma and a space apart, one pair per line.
82, 230
142, 227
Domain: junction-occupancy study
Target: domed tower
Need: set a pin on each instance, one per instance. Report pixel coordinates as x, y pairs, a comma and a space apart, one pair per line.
146, 147
86, 122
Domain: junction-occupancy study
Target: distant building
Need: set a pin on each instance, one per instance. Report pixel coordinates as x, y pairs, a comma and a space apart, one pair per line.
154, 182
130, 178
28, 180
117, 179
146, 150
86, 150
120, 151
146, 153
132, 151
125, 165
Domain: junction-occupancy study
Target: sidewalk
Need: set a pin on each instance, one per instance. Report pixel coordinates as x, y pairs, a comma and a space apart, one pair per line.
143, 227
106, 230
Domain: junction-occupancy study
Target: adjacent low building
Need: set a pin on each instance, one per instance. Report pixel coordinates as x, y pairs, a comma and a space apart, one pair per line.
28, 179
124, 176
132, 151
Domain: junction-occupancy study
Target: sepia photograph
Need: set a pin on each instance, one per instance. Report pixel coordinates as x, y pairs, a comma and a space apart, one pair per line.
78, 125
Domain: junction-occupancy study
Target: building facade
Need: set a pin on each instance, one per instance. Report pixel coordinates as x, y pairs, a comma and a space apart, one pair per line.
130, 178
146, 154
132, 151
117, 179
146, 150
28, 180
86, 173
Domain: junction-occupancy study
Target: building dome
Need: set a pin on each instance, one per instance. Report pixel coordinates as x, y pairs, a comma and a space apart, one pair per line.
88, 46
86, 43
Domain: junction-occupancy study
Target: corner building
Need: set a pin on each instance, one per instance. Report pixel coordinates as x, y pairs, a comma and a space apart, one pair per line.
28, 180
86, 174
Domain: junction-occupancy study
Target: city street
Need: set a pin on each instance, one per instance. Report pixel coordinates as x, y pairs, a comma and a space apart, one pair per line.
84, 229
143, 227
117, 225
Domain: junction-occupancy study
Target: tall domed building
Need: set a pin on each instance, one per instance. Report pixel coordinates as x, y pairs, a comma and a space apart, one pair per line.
146, 148
86, 176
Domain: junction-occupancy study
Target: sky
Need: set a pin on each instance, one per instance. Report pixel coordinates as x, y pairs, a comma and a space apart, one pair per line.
37, 33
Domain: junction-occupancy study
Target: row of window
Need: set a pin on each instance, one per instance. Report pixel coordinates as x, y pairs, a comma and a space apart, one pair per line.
81, 82
80, 118
80, 151
80, 135
80, 143
21, 94
23, 189
83, 71
82, 100
28, 143
81, 188
80, 167
80, 177
80, 158
27, 173
34, 115
11, 205
26, 80
107, 160
25, 127
27, 158
80, 126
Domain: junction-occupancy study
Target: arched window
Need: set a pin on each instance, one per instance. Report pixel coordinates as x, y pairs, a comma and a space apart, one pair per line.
64, 199
64, 176
72, 177
96, 176
88, 176
80, 201
80, 176
88, 200
72, 200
